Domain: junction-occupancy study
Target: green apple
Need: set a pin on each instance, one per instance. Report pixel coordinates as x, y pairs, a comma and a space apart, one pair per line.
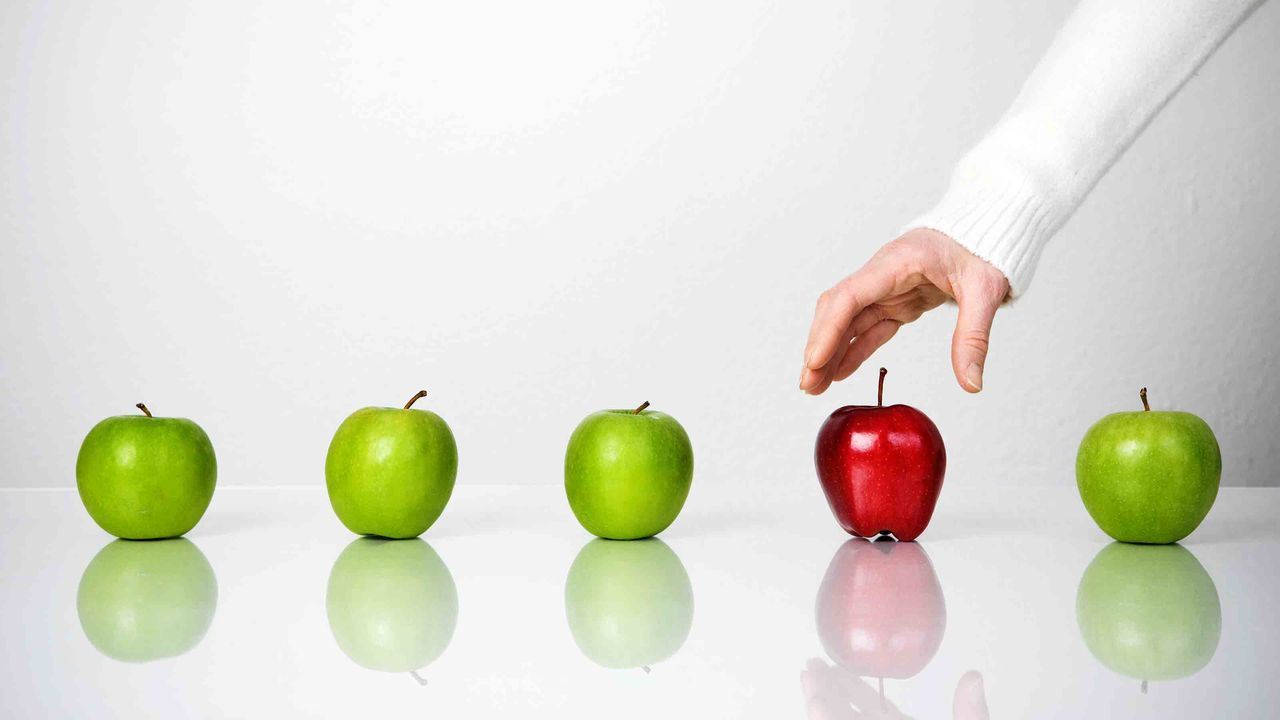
390, 471
146, 601
629, 604
1149, 612
392, 605
1148, 477
627, 472
143, 477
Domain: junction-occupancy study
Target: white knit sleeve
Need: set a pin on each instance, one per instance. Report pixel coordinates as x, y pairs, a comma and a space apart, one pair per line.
1113, 65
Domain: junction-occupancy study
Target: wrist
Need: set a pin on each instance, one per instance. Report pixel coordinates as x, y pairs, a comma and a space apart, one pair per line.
1000, 214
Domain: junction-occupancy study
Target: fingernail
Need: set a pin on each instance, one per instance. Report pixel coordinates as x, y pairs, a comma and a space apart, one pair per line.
974, 376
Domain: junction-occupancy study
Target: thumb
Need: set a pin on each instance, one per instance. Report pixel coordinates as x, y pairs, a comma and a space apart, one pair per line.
969, 345
970, 700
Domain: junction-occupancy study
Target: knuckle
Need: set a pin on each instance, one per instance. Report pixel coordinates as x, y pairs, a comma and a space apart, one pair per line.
917, 258
976, 340
984, 289
995, 284
839, 294
988, 282
898, 250
826, 299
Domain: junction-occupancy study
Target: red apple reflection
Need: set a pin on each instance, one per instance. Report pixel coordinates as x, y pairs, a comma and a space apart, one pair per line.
880, 614
880, 610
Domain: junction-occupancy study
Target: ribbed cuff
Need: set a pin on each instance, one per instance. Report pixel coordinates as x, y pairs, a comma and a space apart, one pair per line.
997, 214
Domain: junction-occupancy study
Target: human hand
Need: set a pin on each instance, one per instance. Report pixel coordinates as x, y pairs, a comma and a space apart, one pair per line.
911, 275
833, 693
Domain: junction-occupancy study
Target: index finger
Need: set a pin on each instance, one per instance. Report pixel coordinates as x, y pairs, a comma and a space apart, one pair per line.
838, 307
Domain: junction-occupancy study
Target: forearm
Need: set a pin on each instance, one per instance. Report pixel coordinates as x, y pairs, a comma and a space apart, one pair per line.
1109, 71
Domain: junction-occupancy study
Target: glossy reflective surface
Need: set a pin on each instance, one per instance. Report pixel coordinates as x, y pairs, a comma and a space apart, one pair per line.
1012, 605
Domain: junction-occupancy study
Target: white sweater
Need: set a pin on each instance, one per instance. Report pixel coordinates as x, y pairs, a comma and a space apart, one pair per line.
1109, 71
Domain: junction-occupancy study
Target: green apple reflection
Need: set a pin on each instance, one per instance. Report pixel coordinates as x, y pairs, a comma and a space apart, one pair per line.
629, 603
146, 600
1149, 612
392, 604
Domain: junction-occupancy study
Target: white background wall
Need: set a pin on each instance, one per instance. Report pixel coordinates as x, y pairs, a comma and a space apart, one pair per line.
263, 216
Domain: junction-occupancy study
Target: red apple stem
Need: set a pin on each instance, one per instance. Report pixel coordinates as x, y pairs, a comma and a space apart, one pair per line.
144, 409
416, 397
880, 682
1146, 406
880, 390
640, 409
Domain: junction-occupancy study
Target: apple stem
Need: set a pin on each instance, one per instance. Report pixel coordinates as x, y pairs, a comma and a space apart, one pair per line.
880, 681
640, 409
880, 390
422, 682
144, 409
1146, 406
416, 397
646, 669
1144, 687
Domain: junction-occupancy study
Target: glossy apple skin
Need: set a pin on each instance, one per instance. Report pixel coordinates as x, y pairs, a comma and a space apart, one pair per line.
1149, 612
390, 471
627, 475
881, 469
146, 478
1149, 476
880, 610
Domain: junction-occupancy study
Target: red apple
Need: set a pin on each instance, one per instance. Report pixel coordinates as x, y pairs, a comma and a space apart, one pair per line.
881, 468
880, 610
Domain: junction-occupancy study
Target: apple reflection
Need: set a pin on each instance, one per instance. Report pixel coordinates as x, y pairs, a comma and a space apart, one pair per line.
392, 604
880, 613
629, 603
1149, 612
140, 601
880, 610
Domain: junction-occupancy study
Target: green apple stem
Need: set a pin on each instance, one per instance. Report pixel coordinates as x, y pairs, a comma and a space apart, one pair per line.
416, 397
422, 682
640, 409
646, 669
1144, 687
880, 390
1146, 406
144, 409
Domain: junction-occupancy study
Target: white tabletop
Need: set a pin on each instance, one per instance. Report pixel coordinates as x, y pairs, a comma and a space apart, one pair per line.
1008, 562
